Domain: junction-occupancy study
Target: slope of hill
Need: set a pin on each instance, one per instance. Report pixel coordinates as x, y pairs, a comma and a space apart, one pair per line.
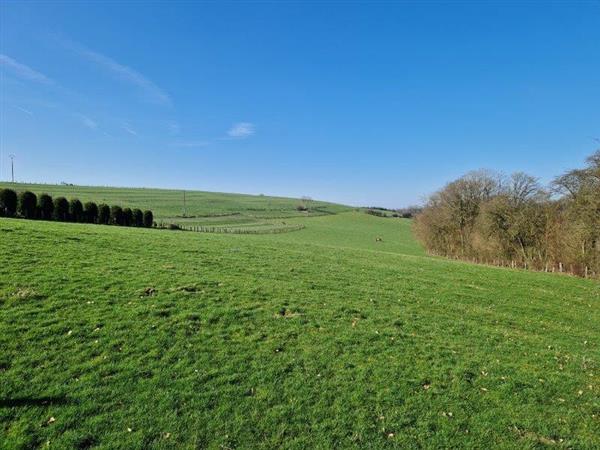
133, 338
353, 230
202, 208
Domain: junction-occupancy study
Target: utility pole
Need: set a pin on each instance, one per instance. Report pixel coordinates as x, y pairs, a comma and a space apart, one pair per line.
12, 166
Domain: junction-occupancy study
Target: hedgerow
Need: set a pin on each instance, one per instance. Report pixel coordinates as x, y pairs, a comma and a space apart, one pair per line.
104, 214
61, 209
148, 218
116, 215
46, 207
27, 205
127, 217
8, 202
75, 210
138, 217
91, 212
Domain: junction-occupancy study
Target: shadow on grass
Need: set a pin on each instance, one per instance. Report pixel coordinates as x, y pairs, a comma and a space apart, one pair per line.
32, 401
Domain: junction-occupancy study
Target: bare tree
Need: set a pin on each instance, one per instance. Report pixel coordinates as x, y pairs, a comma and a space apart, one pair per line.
485, 216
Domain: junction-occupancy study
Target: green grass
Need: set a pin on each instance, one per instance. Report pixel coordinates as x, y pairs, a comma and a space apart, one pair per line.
167, 204
354, 230
208, 209
319, 338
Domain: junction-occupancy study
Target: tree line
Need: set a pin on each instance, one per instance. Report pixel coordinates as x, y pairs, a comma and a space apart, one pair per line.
405, 213
29, 206
515, 221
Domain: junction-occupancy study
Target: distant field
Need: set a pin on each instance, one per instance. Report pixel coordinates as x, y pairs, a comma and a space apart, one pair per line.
126, 338
354, 230
202, 207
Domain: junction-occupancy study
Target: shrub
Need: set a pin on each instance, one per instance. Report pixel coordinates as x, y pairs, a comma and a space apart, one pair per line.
375, 212
409, 212
76, 210
138, 218
127, 217
8, 202
27, 205
148, 218
46, 207
104, 214
116, 215
91, 212
61, 209
301, 208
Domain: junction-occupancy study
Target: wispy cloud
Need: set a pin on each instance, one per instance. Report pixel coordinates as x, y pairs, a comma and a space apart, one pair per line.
151, 91
174, 128
129, 129
24, 71
241, 130
190, 144
26, 111
87, 122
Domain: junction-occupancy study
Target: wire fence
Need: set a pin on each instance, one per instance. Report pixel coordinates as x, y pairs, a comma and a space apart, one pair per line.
229, 230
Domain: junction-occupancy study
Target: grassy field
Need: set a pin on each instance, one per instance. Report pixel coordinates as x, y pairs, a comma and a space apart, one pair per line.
113, 337
202, 208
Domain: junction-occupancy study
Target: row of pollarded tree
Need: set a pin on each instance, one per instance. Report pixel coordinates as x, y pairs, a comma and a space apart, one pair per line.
515, 221
28, 206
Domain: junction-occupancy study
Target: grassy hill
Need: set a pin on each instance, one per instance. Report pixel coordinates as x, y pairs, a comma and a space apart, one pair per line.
353, 230
202, 208
133, 338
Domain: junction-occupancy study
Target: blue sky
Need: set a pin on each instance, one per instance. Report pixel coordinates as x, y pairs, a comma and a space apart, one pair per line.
361, 103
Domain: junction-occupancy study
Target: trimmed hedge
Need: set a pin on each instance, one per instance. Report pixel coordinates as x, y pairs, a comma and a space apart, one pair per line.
91, 212
138, 218
61, 209
76, 210
116, 215
128, 217
8, 202
28, 206
46, 207
104, 214
148, 218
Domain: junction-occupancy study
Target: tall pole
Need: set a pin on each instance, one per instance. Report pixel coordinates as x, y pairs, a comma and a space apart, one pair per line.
12, 166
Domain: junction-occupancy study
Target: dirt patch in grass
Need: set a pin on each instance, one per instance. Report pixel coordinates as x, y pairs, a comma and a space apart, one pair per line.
149, 292
190, 289
26, 293
287, 313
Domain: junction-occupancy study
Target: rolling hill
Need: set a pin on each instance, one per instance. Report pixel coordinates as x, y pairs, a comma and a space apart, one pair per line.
118, 337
